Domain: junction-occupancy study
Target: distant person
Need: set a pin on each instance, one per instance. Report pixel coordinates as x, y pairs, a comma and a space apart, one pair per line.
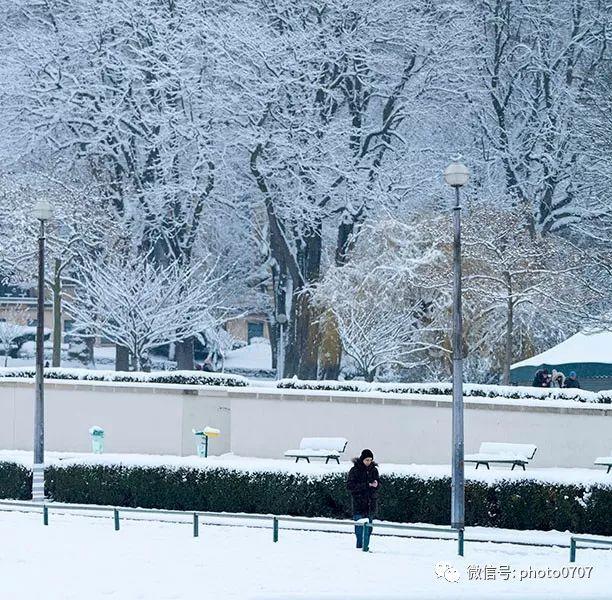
363, 483
557, 379
207, 365
542, 378
572, 381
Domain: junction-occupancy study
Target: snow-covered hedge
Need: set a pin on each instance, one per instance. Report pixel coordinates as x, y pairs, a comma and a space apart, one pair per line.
181, 377
446, 389
509, 503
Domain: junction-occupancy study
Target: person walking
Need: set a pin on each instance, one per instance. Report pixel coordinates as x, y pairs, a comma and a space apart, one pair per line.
363, 483
572, 380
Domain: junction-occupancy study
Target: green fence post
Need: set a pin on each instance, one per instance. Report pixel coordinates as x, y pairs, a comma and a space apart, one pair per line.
460, 542
572, 550
116, 515
367, 532
275, 529
196, 525
45, 515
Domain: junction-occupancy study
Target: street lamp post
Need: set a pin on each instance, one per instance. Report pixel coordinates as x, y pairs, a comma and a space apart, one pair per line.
456, 175
43, 211
281, 319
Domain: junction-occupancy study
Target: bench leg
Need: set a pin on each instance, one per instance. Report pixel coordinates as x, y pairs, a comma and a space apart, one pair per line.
488, 467
297, 458
327, 460
477, 465
513, 465
609, 467
337, 459
523, 465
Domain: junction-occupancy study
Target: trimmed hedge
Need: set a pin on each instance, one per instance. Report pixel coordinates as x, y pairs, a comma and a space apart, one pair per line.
180, 377
446, 389
513, 504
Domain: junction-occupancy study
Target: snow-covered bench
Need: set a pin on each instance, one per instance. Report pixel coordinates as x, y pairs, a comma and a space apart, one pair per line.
496, 452
329, 448
605, 461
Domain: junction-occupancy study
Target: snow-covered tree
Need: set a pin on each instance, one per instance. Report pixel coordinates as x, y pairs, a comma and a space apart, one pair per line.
517, 287
139, 305
12, 327
323, 94
388, 302
538, 62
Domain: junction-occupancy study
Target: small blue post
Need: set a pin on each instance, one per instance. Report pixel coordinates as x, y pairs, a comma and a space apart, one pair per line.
196, 525
45, 515
116, 515
460, 541
572, 550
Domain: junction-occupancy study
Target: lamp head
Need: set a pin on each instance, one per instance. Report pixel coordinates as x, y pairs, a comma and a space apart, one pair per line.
43, 210
456, 174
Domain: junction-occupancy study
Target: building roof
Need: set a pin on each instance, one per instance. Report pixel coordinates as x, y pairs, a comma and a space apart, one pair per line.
583, 347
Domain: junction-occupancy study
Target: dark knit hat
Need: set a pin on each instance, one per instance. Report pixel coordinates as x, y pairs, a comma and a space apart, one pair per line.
366, 454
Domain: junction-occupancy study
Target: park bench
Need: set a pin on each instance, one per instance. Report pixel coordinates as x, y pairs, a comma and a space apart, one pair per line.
605, 461
329, 448
502, 453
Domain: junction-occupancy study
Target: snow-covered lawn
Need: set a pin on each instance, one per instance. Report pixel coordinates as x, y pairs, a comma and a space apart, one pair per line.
78, 557
256, 356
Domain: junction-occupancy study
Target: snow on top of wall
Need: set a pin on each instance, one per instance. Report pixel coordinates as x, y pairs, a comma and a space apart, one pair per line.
159, 377
584, 347
475, 391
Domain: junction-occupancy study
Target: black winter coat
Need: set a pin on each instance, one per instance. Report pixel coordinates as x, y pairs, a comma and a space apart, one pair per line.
541, 379
364, 497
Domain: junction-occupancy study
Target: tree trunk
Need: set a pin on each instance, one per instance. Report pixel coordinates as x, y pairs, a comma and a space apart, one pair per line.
307, 337
57, 315
330, 352
122, 358
90, 343
509, 336
184, 355
274, 330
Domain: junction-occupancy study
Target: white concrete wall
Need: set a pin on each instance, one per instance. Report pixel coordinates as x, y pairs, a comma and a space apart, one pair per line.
136, 418
158, 419
416, 429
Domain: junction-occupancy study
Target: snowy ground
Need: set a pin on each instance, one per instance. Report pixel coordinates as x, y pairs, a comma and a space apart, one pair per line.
256, 356
78, 557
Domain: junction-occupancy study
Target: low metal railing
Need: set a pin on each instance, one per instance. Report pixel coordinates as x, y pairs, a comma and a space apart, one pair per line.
275, 520
575, 540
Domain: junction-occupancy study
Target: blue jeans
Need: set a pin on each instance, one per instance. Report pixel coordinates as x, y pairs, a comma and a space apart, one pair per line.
359, 530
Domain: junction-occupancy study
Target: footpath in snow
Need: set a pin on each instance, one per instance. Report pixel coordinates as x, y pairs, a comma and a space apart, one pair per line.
78, 557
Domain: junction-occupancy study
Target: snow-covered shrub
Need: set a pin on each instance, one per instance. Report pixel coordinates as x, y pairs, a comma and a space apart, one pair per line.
514, 503
178, 377
446, 389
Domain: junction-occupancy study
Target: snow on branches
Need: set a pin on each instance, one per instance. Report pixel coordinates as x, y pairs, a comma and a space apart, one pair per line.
139, 305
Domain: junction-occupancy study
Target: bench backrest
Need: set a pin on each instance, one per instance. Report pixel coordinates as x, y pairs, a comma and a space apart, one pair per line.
526, 450
324, 443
